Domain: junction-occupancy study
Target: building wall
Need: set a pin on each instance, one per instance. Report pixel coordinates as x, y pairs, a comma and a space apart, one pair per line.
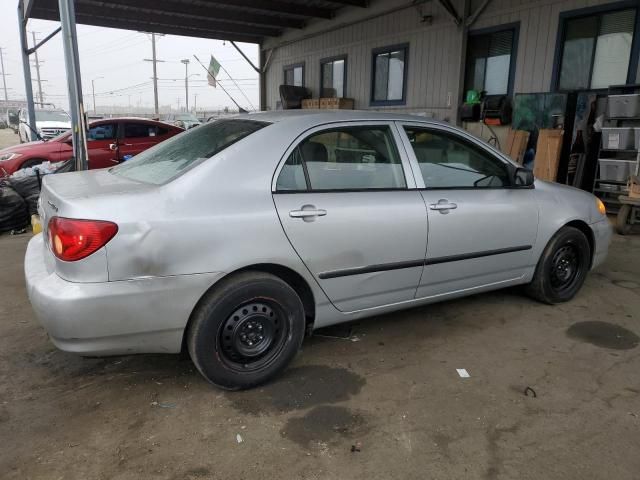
436, 49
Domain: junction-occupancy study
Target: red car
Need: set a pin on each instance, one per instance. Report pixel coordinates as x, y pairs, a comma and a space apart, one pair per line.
109, 141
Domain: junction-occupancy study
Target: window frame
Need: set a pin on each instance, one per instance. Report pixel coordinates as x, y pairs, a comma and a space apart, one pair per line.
466, 139
586, 12
335, 58
293, 66
405, 162
405, 75
515, 28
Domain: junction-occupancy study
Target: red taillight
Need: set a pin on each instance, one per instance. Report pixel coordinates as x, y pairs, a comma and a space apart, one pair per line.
71, 239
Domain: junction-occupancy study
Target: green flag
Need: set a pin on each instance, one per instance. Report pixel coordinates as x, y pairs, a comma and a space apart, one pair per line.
214, 68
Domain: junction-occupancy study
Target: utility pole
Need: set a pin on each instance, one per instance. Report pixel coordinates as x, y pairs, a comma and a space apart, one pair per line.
38, 71
93, 92
154, 60
186, 82
4, 80
195, 103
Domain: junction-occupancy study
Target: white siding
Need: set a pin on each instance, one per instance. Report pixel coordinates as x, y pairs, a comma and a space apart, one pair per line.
436, 50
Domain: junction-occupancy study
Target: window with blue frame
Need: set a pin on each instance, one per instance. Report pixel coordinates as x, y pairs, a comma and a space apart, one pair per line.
490, 61
389, 75
596, 50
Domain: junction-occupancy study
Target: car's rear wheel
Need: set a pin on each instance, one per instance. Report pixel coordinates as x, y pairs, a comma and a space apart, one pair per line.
562, 268
246, 330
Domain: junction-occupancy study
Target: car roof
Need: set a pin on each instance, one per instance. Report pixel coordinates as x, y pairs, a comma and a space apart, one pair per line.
326, 116
128, 119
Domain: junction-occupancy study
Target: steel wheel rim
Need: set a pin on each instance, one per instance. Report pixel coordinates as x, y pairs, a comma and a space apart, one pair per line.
253, 335
565, 267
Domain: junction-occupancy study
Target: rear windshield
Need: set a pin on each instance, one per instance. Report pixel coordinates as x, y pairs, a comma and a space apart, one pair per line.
165, 161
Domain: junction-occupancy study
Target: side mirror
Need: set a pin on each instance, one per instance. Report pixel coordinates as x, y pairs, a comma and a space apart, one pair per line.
68, 140
523, 177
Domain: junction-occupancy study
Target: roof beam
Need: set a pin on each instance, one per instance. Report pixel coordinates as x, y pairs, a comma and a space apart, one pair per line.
115, 12
352, 3
202, 11
142, 25
277, 6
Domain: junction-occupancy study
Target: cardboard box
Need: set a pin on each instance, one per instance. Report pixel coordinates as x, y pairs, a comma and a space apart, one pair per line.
311, 103
337, 103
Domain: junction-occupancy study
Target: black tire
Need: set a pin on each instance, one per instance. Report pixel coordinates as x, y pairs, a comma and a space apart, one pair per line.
623, 227
562, 268
246, 330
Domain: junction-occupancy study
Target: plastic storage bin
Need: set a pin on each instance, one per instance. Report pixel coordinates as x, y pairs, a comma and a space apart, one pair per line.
616, 170
618, 138
624, 106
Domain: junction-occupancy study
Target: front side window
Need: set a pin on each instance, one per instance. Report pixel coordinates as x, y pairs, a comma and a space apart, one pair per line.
489, 61
166, 160
596, 50
389, 75
294, 75
449, 162
333, 77
105, 131
349, 158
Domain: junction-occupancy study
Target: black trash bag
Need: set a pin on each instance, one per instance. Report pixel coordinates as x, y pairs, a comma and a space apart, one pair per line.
32, 203
25, 186
66, 166
13, 210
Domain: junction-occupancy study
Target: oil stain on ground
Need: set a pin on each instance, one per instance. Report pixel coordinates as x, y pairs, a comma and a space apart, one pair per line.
603, 334
299, 388
325, 424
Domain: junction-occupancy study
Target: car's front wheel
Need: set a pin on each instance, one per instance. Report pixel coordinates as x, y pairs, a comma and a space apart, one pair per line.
246, 330
562, 268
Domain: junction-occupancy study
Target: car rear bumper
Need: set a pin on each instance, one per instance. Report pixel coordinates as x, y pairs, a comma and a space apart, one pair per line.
602, 232
144, 315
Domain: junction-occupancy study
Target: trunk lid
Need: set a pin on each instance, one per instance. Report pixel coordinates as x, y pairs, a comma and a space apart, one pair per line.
88, 195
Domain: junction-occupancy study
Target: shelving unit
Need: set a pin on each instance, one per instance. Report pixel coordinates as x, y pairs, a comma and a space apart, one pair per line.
606, 189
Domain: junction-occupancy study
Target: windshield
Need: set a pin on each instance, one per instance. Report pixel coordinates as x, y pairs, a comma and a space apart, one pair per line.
191, 118
51, 116
168, 159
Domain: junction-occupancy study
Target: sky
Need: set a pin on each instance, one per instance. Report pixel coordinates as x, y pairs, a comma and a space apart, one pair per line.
114, 60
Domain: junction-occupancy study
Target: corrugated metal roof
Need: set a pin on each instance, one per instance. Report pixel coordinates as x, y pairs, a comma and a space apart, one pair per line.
239, 20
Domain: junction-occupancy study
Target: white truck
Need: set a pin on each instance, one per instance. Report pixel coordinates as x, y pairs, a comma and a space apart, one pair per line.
48, 124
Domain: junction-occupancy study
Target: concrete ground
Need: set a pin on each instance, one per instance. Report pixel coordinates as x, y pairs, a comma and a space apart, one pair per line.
384, 402
8, 138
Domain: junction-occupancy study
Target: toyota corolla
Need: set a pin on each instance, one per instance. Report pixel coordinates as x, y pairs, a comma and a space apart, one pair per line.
234, 239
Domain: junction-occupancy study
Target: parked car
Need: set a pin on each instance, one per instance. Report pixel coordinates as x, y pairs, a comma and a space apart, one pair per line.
235, 238
183, 120
49, 124
108, 141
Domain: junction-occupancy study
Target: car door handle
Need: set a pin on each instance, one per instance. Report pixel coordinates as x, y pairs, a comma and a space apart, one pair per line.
443, 206
307, 213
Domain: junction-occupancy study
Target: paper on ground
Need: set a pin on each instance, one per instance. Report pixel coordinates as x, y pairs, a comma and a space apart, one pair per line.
463, 373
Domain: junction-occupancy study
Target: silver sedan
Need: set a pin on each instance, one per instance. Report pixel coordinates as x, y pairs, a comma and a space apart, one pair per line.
236, 238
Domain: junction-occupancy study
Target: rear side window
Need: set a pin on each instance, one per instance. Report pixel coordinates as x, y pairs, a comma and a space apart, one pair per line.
349, 158
168, 159
139, 130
